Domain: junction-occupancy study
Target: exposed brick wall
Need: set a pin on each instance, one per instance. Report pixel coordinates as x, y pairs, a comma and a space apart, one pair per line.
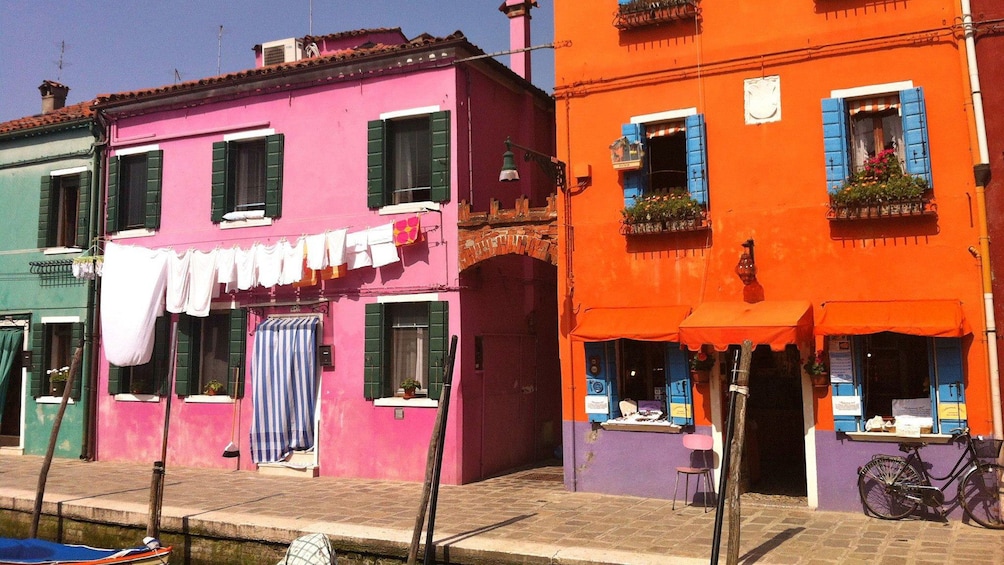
521, 230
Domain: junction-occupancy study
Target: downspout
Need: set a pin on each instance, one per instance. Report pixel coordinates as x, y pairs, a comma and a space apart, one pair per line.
96, 233
982, 173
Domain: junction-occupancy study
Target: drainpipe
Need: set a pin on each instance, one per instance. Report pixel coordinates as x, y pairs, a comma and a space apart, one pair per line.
982, 173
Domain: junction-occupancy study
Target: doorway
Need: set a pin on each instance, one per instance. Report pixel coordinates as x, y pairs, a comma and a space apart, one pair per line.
775, 444
11, 393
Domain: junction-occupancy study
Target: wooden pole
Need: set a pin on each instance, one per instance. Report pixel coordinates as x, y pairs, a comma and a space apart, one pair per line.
157, 481
43, 474
430, 463
430, 548
741, 393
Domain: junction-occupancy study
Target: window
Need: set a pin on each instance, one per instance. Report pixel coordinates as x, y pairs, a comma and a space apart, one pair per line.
64, 203
858, 127
247, 176
674, 157
405, 340
409, 160
52, 347
650, 372
211, 349
149, 378
890, 367
134, 190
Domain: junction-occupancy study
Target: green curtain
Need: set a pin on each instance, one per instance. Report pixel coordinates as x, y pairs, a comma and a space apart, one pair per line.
11, 342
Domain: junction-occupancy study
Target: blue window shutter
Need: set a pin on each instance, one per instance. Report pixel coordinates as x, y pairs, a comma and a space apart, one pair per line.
697, 159
84, 211
373, 351
835, 143
947, 377
853, 388
918, 154
633, 180
274, 146
375, 147
601, 377
678, 390
154, 173
44, 214
112, 198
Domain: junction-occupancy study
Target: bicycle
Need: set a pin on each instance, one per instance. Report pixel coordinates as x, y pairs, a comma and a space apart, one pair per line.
891, 486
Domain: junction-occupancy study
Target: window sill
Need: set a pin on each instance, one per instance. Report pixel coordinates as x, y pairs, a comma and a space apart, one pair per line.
60, 250
662, 427
207, 399
129, 234
398, 401
250, 223
52, 400
885, 437
409, 208
130, 397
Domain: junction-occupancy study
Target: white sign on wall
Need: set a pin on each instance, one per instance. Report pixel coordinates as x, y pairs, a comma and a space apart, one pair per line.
596, 404
841, 362
846, 405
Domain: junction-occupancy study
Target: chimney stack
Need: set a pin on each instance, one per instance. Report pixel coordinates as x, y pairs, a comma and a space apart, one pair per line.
518, 12
53, 95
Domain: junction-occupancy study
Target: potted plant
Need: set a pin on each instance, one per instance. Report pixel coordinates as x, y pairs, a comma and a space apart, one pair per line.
879, 188
57, 380
817, 370
213, 387
700, 366
673, 210
410, 386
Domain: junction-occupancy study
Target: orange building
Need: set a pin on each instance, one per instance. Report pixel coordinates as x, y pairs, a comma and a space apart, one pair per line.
799, 174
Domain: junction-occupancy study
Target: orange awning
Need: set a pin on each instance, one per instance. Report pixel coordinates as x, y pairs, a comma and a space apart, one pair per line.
657, 323
930, 318
764, 323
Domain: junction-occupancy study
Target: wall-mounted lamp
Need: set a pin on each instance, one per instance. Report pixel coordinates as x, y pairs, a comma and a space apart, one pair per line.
552, 165
746, 268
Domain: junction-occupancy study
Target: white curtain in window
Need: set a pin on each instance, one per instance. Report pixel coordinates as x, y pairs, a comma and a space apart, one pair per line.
863, 137
405, 154
408, 354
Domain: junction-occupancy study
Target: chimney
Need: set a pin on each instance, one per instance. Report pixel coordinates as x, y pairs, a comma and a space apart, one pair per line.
518, 12
53, 95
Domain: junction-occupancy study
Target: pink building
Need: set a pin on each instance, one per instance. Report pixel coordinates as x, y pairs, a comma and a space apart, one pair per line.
303, 216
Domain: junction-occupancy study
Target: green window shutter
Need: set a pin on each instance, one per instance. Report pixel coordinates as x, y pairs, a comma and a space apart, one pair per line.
221, 151
273, 175
112, 199
375, 146
116, 378
184, 376
678, 388
947, 375
77, 340
601, 377
84, 211
161, 354
439, 126
373, 352
38, 367
154, 174
238, 351
44, 215
439, 346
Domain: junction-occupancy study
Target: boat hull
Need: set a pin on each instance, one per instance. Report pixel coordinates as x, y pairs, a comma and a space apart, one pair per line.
41, 552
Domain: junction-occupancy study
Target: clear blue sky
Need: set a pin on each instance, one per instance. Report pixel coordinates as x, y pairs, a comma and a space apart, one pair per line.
122, 45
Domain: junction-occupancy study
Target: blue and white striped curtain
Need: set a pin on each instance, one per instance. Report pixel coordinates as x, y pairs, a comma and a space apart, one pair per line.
284, 378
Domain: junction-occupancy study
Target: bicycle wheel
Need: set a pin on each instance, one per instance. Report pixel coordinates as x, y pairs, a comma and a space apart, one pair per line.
981, 493
878, 483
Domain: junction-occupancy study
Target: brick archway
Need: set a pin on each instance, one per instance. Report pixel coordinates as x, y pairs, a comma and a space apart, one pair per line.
521, 230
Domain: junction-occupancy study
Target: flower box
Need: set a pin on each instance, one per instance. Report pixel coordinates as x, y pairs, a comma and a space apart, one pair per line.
905, 208
644, 13
880, 190
666, 211
664, 227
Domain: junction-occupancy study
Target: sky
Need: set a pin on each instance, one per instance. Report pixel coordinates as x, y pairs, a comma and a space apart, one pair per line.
106, 46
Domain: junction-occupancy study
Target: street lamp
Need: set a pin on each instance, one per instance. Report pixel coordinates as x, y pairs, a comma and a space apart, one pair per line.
746, 268
551, 165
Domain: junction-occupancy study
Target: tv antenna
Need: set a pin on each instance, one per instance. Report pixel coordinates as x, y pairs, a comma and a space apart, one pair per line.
60, 63
177, 76
219, 48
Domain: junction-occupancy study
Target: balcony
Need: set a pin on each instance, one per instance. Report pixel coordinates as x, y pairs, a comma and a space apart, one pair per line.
645, 13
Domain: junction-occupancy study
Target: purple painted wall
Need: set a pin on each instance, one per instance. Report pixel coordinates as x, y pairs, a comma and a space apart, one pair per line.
324, 188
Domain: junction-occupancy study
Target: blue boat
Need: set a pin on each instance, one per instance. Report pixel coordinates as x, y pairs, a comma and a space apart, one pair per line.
41, 552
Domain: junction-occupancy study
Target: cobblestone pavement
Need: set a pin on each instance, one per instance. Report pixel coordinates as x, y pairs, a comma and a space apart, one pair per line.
527, 517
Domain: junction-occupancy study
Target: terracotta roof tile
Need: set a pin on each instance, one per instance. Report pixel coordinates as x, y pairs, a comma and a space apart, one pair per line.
65, 114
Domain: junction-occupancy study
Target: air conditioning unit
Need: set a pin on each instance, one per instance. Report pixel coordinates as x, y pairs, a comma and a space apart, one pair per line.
282, 51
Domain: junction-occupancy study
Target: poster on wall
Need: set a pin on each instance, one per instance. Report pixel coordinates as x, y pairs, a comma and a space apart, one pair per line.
846, 405
596, 404
841, 362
